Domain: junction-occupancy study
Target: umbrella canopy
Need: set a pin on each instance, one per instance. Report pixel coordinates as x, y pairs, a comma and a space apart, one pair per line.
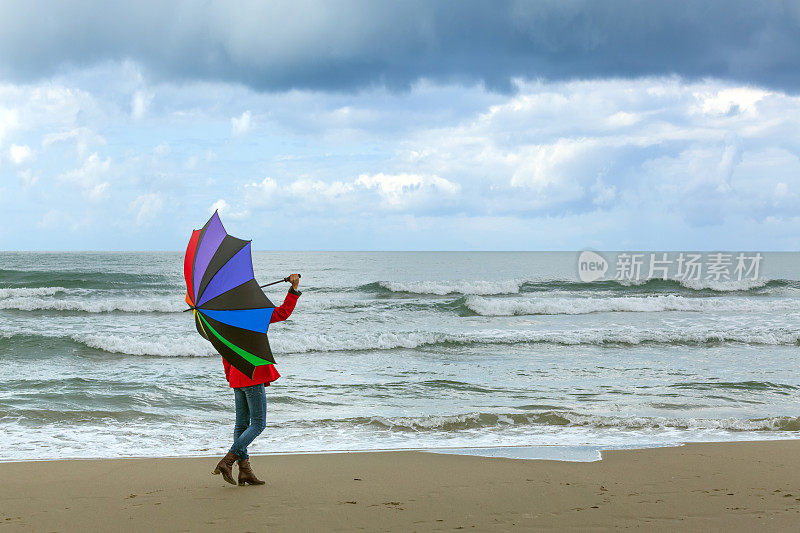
230, 309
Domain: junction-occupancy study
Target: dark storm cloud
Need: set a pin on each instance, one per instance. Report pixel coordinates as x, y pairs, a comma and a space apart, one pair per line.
347, 45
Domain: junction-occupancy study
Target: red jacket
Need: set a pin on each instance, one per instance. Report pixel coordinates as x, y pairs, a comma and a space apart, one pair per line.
265, 373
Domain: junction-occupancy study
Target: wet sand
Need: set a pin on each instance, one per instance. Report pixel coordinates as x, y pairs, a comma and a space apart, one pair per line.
697, 487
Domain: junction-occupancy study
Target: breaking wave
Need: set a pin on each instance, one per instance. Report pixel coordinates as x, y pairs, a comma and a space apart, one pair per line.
81, 279
442, 288
27, 292
37, 300
471, 421
193, 345
579, 306
499, 287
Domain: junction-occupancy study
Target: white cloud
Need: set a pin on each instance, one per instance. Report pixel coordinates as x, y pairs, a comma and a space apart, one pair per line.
162, 149
241, 125
139, 104
220, 205
368, 193
589, 145
46, 107
147, 207
261, 193
83, 138
51, 219
97, 192
730, 101
89, 177
225, 210
9, 121
20, 154
27, 179
401, 190
603, 194
551, 155
545, 168
622, 119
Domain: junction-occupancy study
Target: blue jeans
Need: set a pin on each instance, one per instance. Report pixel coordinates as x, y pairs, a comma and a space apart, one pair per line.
251, 417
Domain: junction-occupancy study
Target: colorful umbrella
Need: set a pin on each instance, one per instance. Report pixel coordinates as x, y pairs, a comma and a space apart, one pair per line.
230, 309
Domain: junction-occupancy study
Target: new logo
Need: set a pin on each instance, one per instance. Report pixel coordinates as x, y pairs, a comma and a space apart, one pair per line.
591, 266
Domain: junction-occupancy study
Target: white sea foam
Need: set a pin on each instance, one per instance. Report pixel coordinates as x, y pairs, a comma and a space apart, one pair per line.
566, 418
194, 346
354, 342
689, 423
723, 285
97, 304
579, 306
24, 292
442, 288
204, 437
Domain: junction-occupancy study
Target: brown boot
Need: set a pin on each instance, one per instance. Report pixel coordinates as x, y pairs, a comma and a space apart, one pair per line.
225, 467
246, 474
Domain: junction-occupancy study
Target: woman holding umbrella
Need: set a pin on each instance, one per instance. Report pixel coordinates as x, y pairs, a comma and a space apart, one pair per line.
251, 402
233, 313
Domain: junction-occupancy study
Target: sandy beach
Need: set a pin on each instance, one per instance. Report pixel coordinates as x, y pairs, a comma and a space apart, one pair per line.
712, 487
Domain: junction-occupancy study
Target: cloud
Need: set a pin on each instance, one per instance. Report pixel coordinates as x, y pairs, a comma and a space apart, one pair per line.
147, 207
20, 154
241, 125
83, 138
219, 205
357, 44
52, 218
162, 149
261, 193
139, 104
226, 210
648, 162
9, 121
27, 179
400, 191
368, 193
88, 177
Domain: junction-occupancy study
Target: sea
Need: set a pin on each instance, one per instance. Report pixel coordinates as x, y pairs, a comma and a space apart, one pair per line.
397, 350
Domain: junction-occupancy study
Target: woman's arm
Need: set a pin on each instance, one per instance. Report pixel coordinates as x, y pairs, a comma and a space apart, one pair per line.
285, 310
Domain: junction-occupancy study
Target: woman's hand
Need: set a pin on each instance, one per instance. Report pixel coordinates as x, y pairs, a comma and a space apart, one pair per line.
294, 279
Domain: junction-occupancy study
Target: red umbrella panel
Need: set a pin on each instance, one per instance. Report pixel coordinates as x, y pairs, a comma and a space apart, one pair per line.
230, 309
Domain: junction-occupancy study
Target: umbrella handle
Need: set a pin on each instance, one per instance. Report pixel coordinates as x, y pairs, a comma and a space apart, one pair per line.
267, 285
274, 282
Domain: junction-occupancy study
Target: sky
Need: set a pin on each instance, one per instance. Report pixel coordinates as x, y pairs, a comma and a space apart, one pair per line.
363, 125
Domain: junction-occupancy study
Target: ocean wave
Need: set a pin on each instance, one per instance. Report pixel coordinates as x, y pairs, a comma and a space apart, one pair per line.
644, 304
131, 304
13, 278
478, 420
662, 285
779, 388
195, 346
730, 286
443, 288
83, 416
27, 292
516, 286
